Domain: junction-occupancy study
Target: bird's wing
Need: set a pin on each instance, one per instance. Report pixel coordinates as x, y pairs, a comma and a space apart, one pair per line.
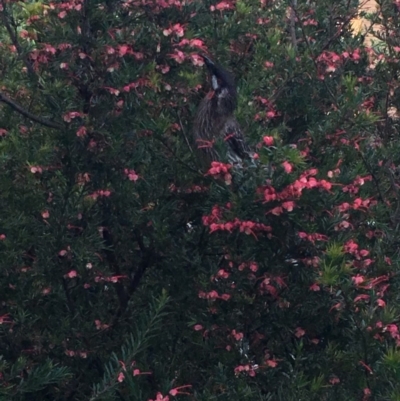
234, 138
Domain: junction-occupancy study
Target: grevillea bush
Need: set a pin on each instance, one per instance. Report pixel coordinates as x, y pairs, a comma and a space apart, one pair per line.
129, 274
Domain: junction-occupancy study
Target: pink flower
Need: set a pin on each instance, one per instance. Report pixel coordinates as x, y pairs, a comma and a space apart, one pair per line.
113, 91
250, 370
176, 390
287, 167
212, 295
71, 115
289, 205
81, 132
123, 49
71, 274
131, 174
237, 336
5, 319
358, 279
137, 372
362, 297
277, 211
100, 326
197, 43
223, 5
272, 363
222, 273
197, 60
178, 56
392, 329
269, 194
271, 114
351, 247
381, 303
253, 267
268, 140
178, 30
221, 170
36, 169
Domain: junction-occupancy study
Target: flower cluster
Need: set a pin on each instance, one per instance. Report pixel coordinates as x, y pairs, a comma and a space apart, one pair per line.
352, 248
247, 227
294, 190
354, 187
177, 29
313, 237
269, 113
248, 369
271, 284
68, 117
358, 204
220, 170
131, 174
328, 62
213, 295
100, 193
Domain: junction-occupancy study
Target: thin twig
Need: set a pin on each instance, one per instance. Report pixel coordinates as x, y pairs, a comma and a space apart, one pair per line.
184, 134
176, 157
338, 34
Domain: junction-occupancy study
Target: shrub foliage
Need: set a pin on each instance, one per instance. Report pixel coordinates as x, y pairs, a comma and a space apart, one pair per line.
128, 272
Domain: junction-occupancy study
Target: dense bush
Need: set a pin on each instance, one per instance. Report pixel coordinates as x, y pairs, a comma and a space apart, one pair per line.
128, 273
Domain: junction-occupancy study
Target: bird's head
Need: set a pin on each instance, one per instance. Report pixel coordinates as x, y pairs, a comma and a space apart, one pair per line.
223, 84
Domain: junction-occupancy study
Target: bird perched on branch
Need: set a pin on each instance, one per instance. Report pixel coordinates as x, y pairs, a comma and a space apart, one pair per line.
216, 132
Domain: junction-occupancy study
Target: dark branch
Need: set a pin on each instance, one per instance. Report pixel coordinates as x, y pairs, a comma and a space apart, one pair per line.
27, 114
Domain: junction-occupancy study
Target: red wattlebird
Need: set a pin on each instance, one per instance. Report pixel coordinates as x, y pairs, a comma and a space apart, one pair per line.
216, 132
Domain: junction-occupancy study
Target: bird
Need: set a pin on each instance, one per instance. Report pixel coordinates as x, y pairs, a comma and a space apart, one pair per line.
216, 132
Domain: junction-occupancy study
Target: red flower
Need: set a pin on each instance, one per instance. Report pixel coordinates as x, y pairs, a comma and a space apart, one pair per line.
160, 397
176, 390
178, 56
287, 167
299, 332
268, 140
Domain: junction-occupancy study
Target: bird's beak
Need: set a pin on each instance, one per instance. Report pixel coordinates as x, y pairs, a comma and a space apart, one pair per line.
212, 69
209, 63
